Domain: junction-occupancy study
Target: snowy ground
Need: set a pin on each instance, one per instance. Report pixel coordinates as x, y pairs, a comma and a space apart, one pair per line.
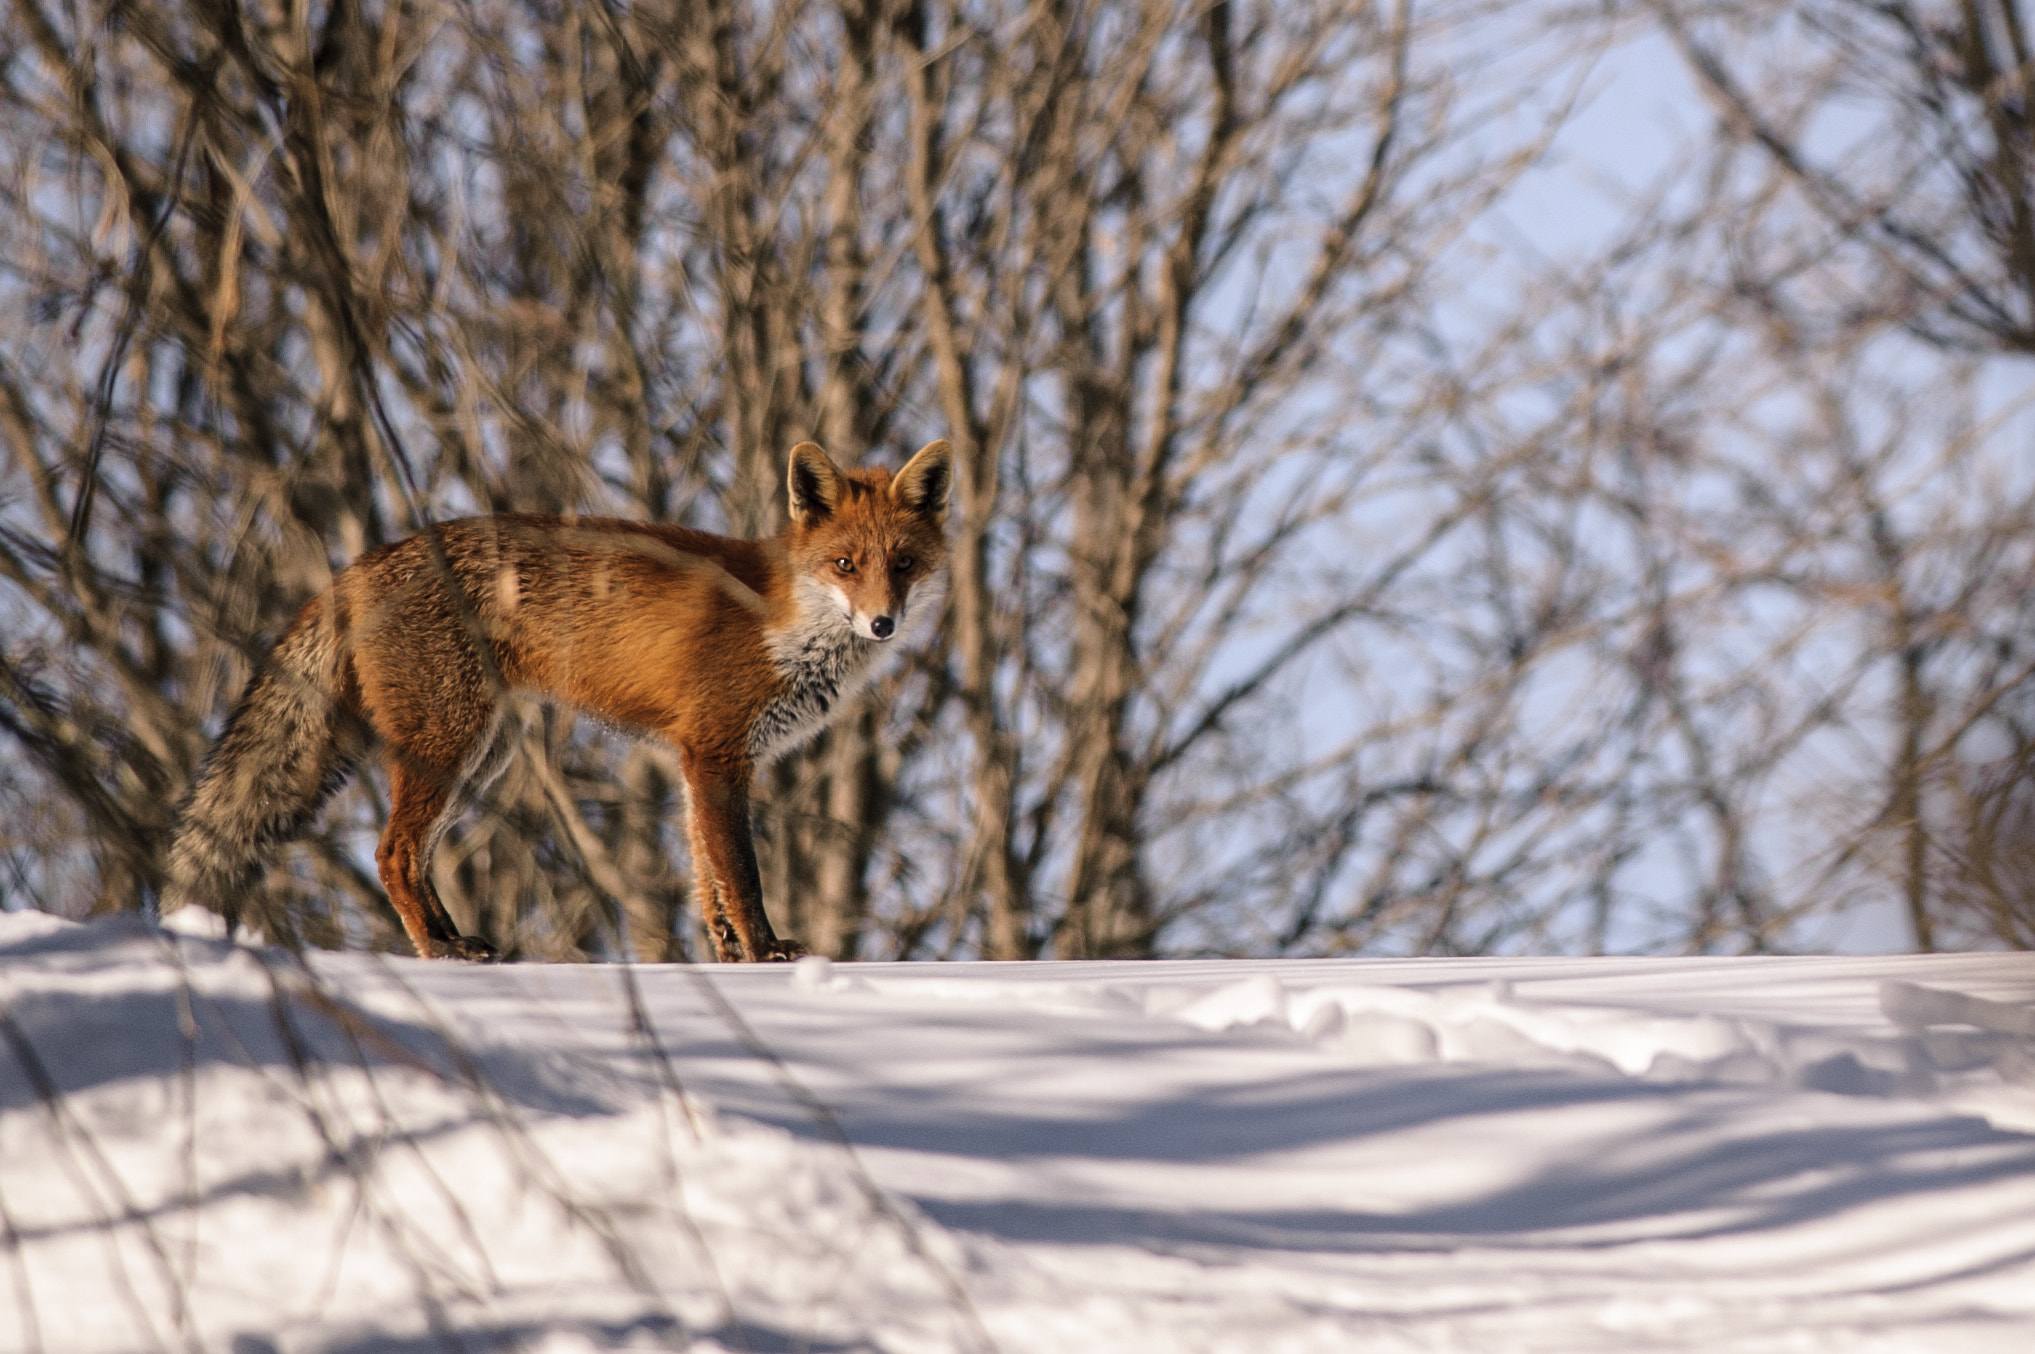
204, 1147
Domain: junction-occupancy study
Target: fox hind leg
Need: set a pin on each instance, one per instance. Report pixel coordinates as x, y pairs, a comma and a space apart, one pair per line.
426, 796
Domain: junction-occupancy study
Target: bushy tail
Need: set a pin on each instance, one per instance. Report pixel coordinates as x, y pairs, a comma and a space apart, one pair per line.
288, 745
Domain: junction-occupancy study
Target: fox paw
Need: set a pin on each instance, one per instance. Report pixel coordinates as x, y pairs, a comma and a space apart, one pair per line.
781, 952
470, 948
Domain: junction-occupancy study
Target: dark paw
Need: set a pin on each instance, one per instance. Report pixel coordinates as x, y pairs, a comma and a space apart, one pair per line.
781, 952
471, 948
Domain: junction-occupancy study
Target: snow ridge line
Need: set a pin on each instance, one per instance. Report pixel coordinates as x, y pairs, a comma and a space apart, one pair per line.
1921, 1052
1383, 1025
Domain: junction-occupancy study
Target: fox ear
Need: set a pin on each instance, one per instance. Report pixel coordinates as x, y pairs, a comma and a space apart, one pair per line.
815, 483
923, 483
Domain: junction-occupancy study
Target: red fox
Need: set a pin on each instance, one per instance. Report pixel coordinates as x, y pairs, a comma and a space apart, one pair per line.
735, 651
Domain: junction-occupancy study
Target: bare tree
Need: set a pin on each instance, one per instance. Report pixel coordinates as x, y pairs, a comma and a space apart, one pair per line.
1907, 132
1310, 594
300, 280
1166, 257
1872, 173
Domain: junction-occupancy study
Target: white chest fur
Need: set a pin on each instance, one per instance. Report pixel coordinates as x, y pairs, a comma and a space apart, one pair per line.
822, 665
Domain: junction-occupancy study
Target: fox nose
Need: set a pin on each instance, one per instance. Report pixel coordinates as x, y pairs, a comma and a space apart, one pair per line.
882, 626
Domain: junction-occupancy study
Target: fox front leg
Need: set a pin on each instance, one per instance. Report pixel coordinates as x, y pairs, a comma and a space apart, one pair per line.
726, 879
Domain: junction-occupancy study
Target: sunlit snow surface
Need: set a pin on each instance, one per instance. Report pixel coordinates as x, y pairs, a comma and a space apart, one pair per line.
204, 1147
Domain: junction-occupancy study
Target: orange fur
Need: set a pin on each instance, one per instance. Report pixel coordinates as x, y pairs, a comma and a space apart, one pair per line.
732, 650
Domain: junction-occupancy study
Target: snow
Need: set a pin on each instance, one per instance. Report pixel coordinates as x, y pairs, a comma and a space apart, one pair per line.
218, 1147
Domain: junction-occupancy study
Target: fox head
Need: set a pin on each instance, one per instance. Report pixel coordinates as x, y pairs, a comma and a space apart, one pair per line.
869, 542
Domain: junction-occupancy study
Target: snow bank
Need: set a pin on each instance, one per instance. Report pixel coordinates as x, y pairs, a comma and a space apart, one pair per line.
205, 1146
209, 1146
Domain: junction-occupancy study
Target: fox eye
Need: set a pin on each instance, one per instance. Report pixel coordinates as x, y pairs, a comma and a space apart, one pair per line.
845, 565
903, 564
